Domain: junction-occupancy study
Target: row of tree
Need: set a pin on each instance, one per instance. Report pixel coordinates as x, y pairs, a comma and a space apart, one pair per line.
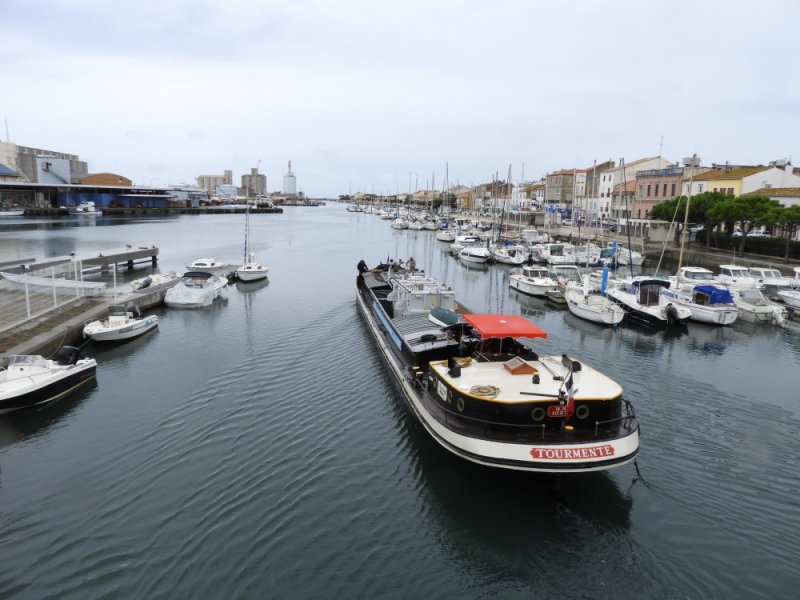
715, 210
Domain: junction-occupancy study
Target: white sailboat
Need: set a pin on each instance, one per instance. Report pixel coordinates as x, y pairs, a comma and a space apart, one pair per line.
251, 270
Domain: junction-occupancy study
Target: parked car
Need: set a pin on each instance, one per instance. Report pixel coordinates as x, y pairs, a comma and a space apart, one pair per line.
566, 222
761, 234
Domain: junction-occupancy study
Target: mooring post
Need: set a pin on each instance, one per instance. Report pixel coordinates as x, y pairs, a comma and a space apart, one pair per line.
130, 264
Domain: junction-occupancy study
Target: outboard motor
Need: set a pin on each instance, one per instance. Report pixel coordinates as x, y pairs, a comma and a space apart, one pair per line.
672, 314
69, 355
136, 312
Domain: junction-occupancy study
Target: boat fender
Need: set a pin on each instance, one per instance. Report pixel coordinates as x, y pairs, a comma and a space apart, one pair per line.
582, 412
538, 414
460, 404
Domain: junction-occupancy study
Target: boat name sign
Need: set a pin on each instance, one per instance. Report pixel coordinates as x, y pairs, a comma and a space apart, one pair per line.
572, 453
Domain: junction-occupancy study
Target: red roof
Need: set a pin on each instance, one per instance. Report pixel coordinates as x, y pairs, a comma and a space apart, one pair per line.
500, 326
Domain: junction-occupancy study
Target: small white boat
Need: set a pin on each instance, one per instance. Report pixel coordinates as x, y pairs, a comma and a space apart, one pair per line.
13, 212
590, 306
31, 379
153, 280
209, 265
737, 277
707, 303
195, 289
121, 324
790, 297
87, 208
446, 235
754, 307
533, 280
252, 270
475, 254
772, 280
643, 300
510, 254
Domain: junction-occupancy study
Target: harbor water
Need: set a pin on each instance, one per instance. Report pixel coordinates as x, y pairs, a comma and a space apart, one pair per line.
259, 449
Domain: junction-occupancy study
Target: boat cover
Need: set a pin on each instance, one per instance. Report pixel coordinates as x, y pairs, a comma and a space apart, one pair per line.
500, 326
716, 295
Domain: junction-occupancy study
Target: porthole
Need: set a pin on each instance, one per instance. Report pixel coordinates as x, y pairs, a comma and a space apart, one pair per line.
582, 411
538, 414
460, 404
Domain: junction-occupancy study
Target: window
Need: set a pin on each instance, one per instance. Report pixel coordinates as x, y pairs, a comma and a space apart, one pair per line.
641, 189
648, 190
673, 190
655, 190
664, 191
699, 188
730, 191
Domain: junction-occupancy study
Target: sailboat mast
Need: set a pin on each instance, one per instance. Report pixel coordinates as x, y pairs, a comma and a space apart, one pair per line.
686, 212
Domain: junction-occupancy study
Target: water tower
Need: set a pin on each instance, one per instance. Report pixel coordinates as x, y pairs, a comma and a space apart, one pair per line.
289, 183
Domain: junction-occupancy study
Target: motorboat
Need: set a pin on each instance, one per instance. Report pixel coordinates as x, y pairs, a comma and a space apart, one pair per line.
688, 277
195, 289
30, 379
12, 212
564, 274
488, 398
510, 254
644, 303
791, 297
87, 208
755, 307
399, 223
475, 253
561, 253
446, 235
591, 306
209, 265
707, 303
533, 280
772, 280
121, 324
152, 281
736, 276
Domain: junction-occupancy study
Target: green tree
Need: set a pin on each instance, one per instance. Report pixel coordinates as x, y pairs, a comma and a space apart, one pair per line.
746, 211
788, 219
699, 210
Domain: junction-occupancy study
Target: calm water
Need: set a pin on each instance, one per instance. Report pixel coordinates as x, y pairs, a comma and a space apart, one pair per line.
259, 449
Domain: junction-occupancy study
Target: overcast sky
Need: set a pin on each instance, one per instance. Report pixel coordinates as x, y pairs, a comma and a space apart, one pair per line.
372, 95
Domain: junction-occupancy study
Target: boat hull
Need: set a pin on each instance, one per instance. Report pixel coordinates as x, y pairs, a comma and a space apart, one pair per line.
570, 456
99, 333
47, 388
594, 308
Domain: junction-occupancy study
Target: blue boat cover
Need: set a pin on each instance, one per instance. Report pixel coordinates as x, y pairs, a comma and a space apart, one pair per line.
716, 295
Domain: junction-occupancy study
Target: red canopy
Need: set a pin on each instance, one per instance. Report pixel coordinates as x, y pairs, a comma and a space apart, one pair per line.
500, 326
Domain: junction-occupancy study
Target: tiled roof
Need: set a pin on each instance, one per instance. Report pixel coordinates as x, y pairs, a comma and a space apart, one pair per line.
784, 192
569, 171
737, 173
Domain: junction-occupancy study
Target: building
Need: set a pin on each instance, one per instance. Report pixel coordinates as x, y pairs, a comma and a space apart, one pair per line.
37, 165
254, 184
653, 186
289, 183
737, 180
209, 183
619, 184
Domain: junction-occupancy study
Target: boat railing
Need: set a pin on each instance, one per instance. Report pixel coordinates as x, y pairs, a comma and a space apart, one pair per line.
453, 418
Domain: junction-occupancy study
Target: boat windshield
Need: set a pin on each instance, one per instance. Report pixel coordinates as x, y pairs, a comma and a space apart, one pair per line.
26, 360
700, 275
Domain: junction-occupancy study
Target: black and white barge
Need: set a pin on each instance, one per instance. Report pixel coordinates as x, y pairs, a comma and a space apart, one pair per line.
485, 396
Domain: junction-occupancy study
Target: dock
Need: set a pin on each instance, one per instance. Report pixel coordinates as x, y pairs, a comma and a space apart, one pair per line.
102, 261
